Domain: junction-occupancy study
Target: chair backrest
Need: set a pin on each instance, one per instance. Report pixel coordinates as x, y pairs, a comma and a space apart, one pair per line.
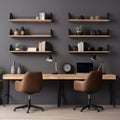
32, 82
93, 82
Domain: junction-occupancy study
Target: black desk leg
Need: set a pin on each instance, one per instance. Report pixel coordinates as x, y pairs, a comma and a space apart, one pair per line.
6, 87
58, 93
112, 93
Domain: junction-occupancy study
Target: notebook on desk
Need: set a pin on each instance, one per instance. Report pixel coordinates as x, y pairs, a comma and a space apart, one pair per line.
84, 67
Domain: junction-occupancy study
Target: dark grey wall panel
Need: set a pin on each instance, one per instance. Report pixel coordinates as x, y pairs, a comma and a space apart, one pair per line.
60, 10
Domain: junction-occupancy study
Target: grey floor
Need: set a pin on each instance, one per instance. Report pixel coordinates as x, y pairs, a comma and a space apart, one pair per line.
63, 113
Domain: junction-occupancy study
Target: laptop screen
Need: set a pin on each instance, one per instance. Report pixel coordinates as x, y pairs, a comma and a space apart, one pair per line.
84, 67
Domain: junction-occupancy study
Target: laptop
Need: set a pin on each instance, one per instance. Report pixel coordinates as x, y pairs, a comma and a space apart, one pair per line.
84, 67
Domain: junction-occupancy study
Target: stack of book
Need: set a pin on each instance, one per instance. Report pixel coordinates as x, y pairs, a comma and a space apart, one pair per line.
44, 46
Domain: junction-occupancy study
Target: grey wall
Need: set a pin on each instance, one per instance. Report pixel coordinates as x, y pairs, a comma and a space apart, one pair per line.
36, 62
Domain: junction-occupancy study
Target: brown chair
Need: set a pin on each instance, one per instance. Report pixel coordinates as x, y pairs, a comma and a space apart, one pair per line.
31, 83
90, 85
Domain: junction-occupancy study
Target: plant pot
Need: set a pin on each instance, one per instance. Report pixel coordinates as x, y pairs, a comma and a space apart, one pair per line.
79, 32
17, 49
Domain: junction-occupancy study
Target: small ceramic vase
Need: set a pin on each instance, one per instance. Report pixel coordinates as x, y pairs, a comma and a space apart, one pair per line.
12, 70
16, 32
19, 70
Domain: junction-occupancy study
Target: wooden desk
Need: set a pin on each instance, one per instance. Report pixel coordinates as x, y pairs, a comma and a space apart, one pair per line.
60, 78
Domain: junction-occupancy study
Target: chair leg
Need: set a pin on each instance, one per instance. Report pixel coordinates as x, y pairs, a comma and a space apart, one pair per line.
77, 106
95, 107
90, 105
84, 107
34, 106
23, 106
29, 105
101, 107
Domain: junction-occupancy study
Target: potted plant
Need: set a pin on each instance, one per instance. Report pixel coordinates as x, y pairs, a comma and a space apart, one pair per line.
79, 29
17, 46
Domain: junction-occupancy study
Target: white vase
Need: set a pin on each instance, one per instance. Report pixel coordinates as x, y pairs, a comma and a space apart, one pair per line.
12, 70
19, 70
42, 16
16, 32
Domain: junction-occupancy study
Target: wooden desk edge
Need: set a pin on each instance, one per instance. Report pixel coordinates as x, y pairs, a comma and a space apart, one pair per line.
57, 76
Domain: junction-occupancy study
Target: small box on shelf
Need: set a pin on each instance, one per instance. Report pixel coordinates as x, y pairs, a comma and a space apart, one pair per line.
31, 49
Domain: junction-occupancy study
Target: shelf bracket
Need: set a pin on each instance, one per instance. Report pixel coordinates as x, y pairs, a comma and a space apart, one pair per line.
108, 32
51, 32
11, 16
11, 48
108, 15
70, 16
51, 16
11, 32
70, 32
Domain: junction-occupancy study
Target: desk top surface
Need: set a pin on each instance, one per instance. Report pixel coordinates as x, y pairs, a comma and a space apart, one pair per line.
58, 76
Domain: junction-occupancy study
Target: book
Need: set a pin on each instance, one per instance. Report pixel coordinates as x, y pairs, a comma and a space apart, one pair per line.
80, 46
44, 46
39, 46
